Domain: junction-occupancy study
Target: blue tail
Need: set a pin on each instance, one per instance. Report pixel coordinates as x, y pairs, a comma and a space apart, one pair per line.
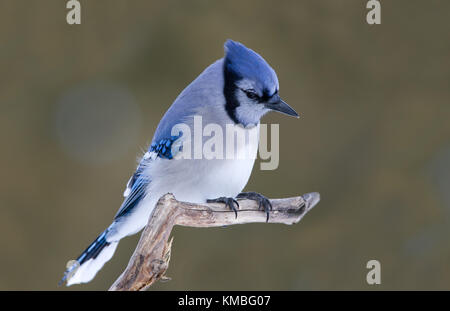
94, 249
90, 261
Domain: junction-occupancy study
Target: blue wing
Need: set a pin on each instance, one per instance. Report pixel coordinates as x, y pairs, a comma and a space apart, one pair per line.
163, 148
137, 185
135, 192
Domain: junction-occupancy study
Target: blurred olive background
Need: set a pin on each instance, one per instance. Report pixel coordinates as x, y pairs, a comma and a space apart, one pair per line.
79, 104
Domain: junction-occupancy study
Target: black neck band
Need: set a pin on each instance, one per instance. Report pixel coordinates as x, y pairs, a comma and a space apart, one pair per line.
229, 91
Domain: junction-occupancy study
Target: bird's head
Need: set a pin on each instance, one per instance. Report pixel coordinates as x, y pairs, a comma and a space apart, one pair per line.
251, 86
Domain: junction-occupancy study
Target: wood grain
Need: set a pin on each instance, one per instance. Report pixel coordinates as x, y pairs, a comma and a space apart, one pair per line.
151, 257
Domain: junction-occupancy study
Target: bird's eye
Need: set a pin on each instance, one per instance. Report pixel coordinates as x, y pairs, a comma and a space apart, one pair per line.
251, 94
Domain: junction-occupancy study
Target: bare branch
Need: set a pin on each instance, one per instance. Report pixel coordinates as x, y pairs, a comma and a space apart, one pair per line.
151, 257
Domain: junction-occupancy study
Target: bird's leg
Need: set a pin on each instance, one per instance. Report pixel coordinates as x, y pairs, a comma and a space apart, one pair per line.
230, 202
262, 201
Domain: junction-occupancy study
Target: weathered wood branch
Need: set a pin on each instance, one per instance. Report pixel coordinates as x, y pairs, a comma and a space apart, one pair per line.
151, 257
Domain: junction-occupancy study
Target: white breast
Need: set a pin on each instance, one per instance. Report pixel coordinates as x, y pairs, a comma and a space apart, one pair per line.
196, 180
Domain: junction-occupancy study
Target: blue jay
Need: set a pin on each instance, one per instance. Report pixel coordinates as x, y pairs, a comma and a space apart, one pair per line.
236, 90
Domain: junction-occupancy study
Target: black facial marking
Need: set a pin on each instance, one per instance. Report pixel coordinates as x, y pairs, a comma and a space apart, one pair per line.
229, 91
251, 94
266, 96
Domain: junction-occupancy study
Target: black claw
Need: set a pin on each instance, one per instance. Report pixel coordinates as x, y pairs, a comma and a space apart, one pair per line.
236, 202
229, 202
262, 200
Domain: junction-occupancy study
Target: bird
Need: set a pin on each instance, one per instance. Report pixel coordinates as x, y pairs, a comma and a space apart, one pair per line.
235, 92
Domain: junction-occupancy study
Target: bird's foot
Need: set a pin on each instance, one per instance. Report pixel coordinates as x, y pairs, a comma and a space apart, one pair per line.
229, 202
262, 201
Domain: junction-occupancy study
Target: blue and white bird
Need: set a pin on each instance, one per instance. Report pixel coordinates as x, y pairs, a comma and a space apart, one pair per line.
235, 91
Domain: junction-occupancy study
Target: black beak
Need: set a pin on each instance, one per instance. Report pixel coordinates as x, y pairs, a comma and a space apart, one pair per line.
277, 104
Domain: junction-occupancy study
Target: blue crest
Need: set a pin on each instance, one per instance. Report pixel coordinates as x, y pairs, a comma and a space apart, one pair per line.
245, 63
